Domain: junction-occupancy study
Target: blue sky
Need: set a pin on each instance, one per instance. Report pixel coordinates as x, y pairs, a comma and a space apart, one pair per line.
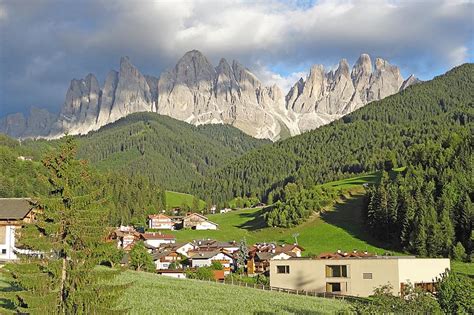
46, 43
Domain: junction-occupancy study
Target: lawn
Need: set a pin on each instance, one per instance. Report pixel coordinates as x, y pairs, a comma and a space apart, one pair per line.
340, 227
175, 200
154, 294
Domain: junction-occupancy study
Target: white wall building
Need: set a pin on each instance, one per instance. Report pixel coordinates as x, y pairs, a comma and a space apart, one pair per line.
13, 213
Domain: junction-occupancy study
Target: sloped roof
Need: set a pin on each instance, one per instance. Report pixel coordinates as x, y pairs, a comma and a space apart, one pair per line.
207, 255
157, 236
14, 208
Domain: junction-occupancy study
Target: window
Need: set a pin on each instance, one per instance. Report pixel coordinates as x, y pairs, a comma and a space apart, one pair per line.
367, 275
333, 287
3, 232
337, 271
283, 269
4, 251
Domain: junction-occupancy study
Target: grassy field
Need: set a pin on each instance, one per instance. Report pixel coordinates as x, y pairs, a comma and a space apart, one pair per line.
340, 227
463, 268
154, 294
175, 199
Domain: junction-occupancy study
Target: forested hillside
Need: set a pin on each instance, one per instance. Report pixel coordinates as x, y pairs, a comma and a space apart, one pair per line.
428, 208
130, 198
377, 136
170, 152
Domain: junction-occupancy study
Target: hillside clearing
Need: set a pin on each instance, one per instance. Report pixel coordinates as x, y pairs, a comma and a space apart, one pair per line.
153, 294
177, 200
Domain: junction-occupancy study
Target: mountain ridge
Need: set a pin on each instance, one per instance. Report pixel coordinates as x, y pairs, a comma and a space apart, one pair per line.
197, 92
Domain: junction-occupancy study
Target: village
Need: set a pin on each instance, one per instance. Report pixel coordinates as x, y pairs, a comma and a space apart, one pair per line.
282, 266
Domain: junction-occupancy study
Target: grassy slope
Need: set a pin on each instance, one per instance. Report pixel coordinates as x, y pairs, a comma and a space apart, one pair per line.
340, 227
175, 199
154, 294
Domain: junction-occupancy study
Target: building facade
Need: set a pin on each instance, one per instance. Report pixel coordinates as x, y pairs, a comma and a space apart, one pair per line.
14, 212
356, 276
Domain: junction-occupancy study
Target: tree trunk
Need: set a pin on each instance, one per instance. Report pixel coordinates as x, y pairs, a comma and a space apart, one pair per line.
62, 291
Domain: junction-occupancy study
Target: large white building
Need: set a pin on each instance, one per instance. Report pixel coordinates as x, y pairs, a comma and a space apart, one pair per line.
356, 275
14, 212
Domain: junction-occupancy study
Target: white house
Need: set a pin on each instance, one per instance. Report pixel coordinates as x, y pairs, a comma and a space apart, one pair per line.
178, 273
13, 213
184, 248
160, 221
206, 225
202, 259
225, 210
156, 239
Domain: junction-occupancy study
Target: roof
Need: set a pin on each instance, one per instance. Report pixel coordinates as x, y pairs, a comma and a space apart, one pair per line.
264, 255
14, 208
157, 236
341, 255
207, 255
159, 216
196, 214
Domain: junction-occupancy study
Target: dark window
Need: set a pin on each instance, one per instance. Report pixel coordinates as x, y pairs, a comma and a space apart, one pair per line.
333, 287
337, 271
4, 251
367, 275
283, 269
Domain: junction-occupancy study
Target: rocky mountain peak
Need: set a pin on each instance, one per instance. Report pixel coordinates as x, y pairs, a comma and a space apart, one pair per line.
197, 92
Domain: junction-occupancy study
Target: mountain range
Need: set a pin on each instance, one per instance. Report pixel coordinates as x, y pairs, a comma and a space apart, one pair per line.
199, 93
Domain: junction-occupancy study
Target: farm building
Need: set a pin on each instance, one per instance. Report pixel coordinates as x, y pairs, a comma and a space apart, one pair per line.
155, 239
355, 274
201, 259
14, 212
198, 222
160, 222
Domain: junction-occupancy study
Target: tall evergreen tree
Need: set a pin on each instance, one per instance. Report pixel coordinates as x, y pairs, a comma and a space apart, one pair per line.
66, 243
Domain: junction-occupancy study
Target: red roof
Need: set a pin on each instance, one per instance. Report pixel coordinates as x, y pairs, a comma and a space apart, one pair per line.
157, 236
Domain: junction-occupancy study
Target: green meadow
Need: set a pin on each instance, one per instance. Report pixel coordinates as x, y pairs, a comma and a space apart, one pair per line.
176, 199
154, 294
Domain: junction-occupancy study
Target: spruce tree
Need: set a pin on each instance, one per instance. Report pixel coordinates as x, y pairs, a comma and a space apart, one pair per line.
66, 243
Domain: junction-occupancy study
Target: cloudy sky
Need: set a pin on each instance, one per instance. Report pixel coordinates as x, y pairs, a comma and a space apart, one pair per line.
44, 44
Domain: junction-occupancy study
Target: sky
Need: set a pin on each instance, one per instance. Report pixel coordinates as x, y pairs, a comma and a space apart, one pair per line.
46, 43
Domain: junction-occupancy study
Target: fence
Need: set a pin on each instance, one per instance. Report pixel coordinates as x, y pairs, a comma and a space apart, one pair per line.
327, 295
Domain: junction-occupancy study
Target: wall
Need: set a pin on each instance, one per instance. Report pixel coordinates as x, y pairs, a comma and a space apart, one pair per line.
310, 274
9, 244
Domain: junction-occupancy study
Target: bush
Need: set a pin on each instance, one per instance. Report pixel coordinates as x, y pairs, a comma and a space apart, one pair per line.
459, 253
455, 293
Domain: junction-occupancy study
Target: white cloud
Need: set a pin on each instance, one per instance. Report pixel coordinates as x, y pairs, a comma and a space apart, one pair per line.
285, 83
458, 56
423, 37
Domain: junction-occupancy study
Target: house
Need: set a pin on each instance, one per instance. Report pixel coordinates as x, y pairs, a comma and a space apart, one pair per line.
355, 274
25, 158
164, 258
225, 210
156, 239
259, 262
173, 273
160, 222
198, 222
126, 237
206, 225
201, 259
14, 212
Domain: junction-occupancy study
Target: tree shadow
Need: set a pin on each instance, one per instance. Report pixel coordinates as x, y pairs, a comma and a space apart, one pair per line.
347, 214
255, 220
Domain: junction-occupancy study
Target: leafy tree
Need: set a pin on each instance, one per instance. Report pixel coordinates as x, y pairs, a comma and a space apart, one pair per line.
140, 259
66, 242
216, 265
455, 293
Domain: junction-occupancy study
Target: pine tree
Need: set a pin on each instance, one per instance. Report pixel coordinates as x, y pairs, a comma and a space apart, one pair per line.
67, 241
242, 255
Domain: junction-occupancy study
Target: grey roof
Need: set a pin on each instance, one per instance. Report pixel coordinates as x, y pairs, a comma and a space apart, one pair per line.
265, 255
14, 208
206, 255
